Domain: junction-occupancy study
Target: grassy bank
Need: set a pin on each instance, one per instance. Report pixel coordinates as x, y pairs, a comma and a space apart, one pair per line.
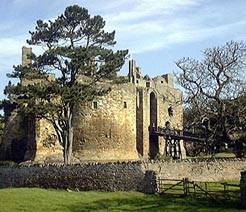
41, 200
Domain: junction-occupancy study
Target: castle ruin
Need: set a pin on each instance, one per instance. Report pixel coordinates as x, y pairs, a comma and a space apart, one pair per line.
110, 128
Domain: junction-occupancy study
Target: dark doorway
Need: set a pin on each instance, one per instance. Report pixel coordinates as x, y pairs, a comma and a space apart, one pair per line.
153, 140
153, 109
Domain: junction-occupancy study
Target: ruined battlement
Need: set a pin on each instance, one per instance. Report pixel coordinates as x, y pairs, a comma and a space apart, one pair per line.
135, 76
26, 52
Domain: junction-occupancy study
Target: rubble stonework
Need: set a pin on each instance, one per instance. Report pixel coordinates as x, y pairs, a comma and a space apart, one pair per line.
121, 176
112, 127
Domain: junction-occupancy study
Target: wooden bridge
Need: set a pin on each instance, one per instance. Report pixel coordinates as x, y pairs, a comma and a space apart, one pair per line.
177, 134
173, 137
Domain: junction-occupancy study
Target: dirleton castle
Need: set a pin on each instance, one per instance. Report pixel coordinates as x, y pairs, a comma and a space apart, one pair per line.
113, 127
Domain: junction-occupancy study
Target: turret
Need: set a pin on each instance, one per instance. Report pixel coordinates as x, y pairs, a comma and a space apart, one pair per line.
134, 72
169, 79
25, 54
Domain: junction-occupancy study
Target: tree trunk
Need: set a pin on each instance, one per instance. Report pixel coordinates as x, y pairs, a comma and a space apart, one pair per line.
68, 145
67, 151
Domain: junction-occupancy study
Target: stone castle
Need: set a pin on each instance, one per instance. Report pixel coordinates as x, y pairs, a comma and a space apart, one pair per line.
112, 127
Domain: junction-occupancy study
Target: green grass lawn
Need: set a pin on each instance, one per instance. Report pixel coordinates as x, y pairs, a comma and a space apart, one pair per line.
218, 155
41, 200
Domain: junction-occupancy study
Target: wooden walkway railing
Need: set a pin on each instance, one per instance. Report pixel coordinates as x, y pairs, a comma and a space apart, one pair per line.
178, 134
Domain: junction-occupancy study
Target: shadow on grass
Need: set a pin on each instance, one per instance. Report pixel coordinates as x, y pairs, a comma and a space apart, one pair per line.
156, 203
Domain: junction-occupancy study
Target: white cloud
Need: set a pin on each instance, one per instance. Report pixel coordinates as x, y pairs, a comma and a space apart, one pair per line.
153, 24
144, 25
10, 46
147, 8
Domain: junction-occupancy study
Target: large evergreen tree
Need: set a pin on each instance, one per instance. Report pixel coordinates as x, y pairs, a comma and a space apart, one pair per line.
79, 52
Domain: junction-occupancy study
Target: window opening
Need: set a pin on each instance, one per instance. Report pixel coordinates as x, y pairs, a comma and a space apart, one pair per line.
170, 111
94, 105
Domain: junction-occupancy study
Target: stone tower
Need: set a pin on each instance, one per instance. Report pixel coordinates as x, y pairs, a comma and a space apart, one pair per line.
116, 126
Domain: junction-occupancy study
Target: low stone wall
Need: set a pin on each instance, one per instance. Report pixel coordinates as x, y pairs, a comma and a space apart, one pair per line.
119, 176
102, 177
205, 170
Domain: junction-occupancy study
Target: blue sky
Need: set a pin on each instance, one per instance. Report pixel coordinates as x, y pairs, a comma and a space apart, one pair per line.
156, 32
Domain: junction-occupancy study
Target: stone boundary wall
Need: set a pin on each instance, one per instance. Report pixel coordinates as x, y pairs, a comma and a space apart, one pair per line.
206, 170
84, 177
118, 176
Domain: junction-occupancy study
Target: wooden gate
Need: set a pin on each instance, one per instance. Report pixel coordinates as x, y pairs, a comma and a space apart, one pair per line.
210, 190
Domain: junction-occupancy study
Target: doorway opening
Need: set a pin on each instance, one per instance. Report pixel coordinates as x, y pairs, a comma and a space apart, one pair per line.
153, 140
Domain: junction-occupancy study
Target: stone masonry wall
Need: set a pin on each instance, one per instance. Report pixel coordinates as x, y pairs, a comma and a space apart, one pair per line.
100, 177
106, 128
124, 176
47, 144
200, 170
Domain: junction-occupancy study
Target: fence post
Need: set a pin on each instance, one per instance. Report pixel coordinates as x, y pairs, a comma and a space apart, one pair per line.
206, 189
226, 191
186, 186
194, 187
243, 189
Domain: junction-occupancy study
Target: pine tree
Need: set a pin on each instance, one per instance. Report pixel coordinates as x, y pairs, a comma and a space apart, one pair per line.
79, 52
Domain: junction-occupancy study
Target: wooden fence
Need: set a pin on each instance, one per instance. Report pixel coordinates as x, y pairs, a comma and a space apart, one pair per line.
215, 191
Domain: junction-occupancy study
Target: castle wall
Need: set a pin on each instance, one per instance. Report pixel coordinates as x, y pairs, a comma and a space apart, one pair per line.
106, 128
47, 147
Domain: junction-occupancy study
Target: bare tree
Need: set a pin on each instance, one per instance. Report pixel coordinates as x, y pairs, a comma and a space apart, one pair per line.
215, 88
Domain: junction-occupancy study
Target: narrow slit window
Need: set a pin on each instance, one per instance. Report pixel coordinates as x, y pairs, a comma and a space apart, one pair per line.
94, 105
125, 104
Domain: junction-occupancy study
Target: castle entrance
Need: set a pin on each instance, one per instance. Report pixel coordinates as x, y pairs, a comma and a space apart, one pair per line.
153, 140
